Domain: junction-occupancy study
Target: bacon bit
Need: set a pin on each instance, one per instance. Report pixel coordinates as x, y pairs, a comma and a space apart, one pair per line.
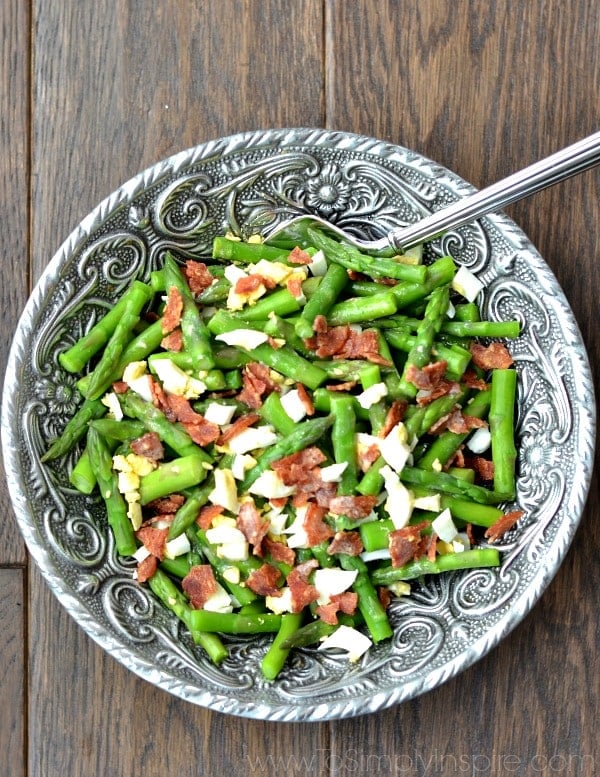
120, 387
167, 505
384, 595
197, 275
199, 584
279, 551
149, 445
146, 568
274, 343
345, 602
347, 386
257, 382
173, 310
470, 533
305, 399
502, 525
473, 381
160, 400
294, 469
457, 422
428, 377
394, 415
317, 531
342, 342
263, 581
405, 544
366, 457
173, 341
298, 256
201, 431
320, 325
355, 275
207, 514
432, 547
491, 357
458, 460
483, 467
154, 540
352, 506
243, 422
248, 284
348, 542
278, 502
294, 286
252, 525
303, 593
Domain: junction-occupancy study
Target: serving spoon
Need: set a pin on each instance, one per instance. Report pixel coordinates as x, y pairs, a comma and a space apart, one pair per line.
557, 167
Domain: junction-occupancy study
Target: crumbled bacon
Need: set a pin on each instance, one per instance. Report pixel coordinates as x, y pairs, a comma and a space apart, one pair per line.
320, 325
367, 456
173, 310
342, 342
263, 581
149, 445
146, 568
502, 525
303, 593
167, 505
305, 399
278, 551
296, 468
298, 256
404, 544
120, 387
470, 533
248, 284
159, 398
457, 422
317, 531
384, 596
199, 584
243, 422
345, 602
491, 357
207, 514
394, 415
347, 386
154, 540
173, 341
201, 431
483, 467
252, 525
197, 275
432, 547
473, 381
257, 382
443, 388
348, 542
354, 507
294, 286
427, 377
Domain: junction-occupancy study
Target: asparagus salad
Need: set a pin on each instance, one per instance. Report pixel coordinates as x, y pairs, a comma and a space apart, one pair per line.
285, 436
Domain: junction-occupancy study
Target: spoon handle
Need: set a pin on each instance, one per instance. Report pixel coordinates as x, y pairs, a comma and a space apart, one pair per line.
557, 167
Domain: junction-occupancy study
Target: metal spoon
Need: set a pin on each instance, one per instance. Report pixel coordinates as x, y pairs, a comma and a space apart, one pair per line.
557, 167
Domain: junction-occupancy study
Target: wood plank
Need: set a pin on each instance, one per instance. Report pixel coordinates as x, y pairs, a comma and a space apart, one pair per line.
14, 214
484, 92
12, 671
118, 86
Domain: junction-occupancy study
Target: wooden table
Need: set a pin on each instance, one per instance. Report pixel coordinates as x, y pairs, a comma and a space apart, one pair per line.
95, 91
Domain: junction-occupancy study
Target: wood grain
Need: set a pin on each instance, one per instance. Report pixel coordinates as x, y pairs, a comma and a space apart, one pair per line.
12, 672
14, 212
482, 88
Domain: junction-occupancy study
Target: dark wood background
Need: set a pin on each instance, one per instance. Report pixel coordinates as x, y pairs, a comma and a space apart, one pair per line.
94, 91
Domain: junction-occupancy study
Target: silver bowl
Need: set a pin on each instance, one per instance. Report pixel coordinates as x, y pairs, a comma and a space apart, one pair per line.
246, 183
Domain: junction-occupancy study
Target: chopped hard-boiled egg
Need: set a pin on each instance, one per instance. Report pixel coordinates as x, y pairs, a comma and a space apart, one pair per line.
249, 339
111, 400
467, 284
177, 546
280, 604
138, 380
331, 581
400, 500
241, 463
480, 440
444, 526
293, 405
220, 601
345, 638
230, 541
333, 473
395, 448
431, 502
277, 272
219, 414
372, 395
225, 491
252, 438
298, 537
271, 486
318, 266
